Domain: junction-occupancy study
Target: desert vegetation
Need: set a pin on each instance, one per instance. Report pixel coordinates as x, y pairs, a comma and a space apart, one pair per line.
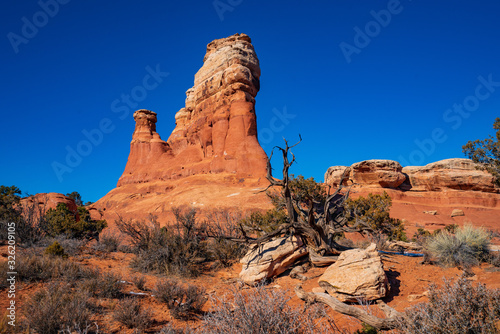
486, 152
167, 262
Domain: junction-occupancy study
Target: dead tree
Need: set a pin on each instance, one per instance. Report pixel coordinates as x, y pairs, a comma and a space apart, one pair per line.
316, 223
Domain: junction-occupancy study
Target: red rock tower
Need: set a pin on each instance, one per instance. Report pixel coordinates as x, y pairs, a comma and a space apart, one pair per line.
216, 132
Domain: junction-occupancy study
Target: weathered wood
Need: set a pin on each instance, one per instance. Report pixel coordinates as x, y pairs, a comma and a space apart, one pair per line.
379, 323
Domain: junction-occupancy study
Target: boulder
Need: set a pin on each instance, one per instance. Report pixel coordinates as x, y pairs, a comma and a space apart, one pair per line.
358, 273
378, 173
271, 259
369, 173
457, 213
457, 174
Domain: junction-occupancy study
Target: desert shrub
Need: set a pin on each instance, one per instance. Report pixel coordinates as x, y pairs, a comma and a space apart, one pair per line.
374, 210
259, 311
139, 281
494, 259
466, 248
177, 250
451, 228
106, 285
169, 329
421, 236
71, 246
29, 220
456, 308
75, 225
130, 313
34, 268
221, 224
55, 249
57, 308
182, 301
108, 242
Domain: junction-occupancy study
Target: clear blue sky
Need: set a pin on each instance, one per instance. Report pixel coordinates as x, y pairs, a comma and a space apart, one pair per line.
362, 79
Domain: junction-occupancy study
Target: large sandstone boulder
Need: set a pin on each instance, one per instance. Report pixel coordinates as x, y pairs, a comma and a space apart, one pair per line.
378, 173
358, 273
270, 259
457, 174
216, 131
369, 173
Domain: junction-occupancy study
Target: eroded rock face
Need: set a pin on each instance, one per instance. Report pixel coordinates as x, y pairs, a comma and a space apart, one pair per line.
358, 273
458, 174
216, 131
270, 259
334, 174
379, 173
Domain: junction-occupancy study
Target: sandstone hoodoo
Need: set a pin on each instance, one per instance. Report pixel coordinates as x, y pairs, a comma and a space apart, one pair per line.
216, 131
212, 153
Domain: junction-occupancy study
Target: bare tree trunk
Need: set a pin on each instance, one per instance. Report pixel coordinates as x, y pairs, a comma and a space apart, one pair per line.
390, 322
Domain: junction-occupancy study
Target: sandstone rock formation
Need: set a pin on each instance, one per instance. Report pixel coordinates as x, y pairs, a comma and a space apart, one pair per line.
378, 173
270, 259
458, 174
215, 132
212, 157
46, 201
427, 191
358, 273
369, 173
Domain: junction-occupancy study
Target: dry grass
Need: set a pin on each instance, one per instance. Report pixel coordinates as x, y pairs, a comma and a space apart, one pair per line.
467, 247
456, 308
184, 302
130, 313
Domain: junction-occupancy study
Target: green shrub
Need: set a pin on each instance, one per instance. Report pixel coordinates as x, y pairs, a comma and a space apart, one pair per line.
456, 308
486, 152
262, 223
451, 228
466, 248
75, 225
182, 301
56, 250
374, 210
366, 329
421, 236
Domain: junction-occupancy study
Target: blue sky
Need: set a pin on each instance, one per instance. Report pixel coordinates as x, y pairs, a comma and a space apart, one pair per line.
405, 80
